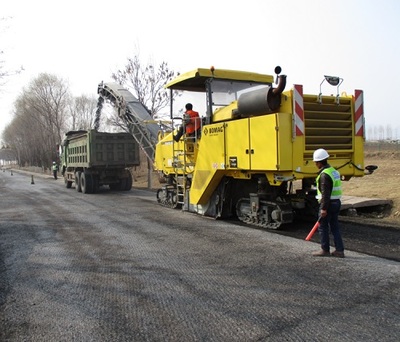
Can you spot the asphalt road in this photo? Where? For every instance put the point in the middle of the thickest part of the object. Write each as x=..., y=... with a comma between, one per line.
x=114, y=266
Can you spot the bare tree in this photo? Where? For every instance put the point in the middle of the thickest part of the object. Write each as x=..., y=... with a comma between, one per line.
x=48, y=98
x=21, y=137
x=381, y=133
x=39, y=120
x=147, y=82
x=370, y=134
x=83, y=113
x=389, y=132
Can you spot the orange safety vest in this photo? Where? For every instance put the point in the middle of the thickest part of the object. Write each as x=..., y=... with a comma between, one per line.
x=194, y=123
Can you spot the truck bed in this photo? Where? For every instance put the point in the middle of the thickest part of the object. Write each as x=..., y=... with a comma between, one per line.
x=91, y=149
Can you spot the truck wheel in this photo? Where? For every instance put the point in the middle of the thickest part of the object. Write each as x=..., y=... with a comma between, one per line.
x=67, y=183
x=96, y=185
x=122, y=184
x=128, y=182
x=114, y=186
x=86, y=183
x=78, y=181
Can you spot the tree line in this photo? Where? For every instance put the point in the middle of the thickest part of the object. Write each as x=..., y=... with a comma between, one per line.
x=382, y=133
x=45, y=110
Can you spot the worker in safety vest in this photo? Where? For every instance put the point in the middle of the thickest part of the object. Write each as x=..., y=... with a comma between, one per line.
x=55, y=169
x=191, y=122
x=329, y=192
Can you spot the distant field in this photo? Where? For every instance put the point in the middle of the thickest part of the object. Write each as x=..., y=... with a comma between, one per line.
x=384, y=182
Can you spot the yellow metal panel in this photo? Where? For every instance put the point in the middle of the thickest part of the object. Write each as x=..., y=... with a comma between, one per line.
x=358, y=158
x=286, y=102
x=169, y=156
x=297, y=142
x=210, y=160
x=238, y=144
x=224, y=113
x=201, y=179
x=285, y=144
x=263, y=142
x=164, y=154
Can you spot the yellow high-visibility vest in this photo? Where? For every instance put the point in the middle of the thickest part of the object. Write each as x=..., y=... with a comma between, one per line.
x=337, y=183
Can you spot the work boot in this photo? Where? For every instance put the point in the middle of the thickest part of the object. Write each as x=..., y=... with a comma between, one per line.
x=338, y=254
x=321, y=253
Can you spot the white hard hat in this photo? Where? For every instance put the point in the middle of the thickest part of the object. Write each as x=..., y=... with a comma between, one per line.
x=320, y=154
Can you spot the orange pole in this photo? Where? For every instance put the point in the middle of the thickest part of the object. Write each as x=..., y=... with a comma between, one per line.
x=313, y=230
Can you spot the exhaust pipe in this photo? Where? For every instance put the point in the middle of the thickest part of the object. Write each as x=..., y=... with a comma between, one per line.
x=261, y=101
x=281, y=85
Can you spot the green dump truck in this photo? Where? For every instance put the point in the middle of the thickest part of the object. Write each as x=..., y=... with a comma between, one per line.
x=91, y=159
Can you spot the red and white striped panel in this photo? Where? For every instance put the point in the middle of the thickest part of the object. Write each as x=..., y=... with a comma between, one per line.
x=359, y=113
x=298, y=106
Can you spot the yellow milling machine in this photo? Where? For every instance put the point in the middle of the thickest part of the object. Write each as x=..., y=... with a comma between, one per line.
x=252, y=157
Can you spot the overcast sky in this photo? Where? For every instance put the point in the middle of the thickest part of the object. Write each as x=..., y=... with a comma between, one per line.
x=84, y=41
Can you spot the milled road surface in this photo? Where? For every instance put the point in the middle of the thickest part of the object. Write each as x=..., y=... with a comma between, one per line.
x=114, y=266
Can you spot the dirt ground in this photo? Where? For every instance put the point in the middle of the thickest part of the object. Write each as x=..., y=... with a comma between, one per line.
x=383, y=183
